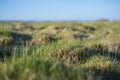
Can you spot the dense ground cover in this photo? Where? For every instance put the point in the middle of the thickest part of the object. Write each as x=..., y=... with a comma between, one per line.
x=60, y=50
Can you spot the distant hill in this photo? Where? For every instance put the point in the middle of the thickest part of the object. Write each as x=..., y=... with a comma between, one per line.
x=102, y=20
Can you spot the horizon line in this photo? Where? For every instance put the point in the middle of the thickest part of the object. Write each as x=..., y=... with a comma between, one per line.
x=58, y=20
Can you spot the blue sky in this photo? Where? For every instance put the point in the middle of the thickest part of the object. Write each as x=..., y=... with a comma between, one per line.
x=59, y=9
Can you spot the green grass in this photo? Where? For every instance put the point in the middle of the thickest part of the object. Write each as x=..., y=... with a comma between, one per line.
x=60, y=56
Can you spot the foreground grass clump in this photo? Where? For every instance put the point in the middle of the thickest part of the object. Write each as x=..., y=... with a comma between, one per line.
x=60, y=51
x=41, y=63
x=103, y=68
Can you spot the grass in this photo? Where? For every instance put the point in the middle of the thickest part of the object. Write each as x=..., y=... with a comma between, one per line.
x=60, y=51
